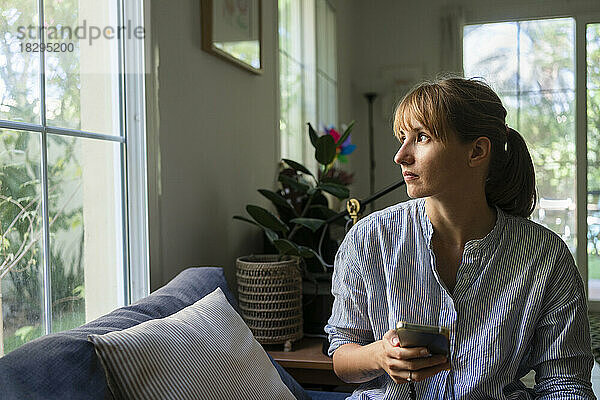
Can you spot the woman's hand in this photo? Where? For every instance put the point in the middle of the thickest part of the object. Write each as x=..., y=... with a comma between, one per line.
x=403, y=364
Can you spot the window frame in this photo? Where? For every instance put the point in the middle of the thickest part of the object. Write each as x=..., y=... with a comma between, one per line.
x=581, y=23
x=138, y=271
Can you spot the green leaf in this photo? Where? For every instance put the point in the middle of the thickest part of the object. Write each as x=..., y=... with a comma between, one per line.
x=79, y=292
x=297, y=166
x=305, y=252
x=277, y=199
x=332, y=179
x=25, y=333
x=313, y=135
x=325, y=149
x=271, y=235
x=266, y=219
x=325, y=211
x=315, y=254
x=346, y=133
x=286, y=247
x=339, y=191
x=311, y=223
x=294, y=184
x=239, y=217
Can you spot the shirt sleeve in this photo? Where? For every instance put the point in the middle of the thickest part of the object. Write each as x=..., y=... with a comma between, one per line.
x=561, y=354
x=349, y=321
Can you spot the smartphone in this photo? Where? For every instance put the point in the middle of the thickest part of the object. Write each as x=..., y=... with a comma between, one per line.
x=435, y=338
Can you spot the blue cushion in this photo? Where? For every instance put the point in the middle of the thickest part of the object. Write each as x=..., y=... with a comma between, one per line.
x=297, y=390
x=65, y=366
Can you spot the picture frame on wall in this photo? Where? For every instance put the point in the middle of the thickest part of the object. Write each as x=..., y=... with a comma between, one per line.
x=232, y=30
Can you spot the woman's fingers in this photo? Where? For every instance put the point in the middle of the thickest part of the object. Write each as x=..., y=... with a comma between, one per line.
x=408, y=353
x=416, y=364
x=402, y=375
x=425, y=373
x=391, y=339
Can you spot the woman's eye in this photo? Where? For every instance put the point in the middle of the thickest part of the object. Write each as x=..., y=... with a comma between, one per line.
x=422, y=137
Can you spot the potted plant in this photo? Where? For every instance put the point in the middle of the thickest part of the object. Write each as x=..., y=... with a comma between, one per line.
x=297, y=229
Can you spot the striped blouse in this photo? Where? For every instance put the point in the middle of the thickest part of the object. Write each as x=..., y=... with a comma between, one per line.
x=518, y=304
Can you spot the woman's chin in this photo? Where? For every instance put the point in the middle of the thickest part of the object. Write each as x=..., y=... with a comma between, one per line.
x=415, y=193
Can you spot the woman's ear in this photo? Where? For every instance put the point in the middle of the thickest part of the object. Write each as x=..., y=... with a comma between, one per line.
x=480, y=151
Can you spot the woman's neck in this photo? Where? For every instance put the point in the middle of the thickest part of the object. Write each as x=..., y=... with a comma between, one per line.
x=455, y=223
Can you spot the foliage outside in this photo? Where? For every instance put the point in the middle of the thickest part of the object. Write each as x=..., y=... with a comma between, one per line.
x=21, y=252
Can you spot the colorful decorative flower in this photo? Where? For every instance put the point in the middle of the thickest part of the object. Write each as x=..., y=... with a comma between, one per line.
x=342, y=149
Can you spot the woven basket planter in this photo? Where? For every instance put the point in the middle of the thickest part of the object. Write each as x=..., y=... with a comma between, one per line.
x=270, y=297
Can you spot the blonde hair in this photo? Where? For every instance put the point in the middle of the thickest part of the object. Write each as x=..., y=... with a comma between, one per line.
x=471, y=109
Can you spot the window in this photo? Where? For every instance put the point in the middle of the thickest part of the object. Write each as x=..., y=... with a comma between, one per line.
x=531, y=65
x=71, y=163
x=307, y=74
x=593, y=160
x=326, y=65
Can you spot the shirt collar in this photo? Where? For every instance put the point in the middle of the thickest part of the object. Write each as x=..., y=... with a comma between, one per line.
x=488, y=241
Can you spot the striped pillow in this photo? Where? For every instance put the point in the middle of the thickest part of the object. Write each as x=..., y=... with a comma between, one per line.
x=204, y=351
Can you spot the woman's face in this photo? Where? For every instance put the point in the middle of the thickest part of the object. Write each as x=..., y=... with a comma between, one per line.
x=431, y=167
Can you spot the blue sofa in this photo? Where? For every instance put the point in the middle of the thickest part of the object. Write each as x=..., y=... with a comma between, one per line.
x=65, y=366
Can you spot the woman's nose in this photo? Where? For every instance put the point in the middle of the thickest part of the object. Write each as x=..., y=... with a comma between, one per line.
x=397, y=156
x=402, y=155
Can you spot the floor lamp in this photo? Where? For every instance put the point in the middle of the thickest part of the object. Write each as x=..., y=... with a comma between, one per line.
x=371, y=98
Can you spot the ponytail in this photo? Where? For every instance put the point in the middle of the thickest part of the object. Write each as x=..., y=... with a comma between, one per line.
x=511, y=179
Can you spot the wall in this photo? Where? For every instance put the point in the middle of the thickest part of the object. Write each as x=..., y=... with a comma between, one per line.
x=214, y=140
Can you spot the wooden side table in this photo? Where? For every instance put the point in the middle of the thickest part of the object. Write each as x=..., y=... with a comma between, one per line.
x=307, y=363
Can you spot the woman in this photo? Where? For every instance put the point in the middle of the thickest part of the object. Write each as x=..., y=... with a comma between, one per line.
x=462, y=255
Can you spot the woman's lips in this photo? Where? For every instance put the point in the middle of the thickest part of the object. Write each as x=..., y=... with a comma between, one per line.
x=410, y=177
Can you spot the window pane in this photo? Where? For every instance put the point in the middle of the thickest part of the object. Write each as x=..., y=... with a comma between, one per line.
x=547, y=54
x=82, y=82
x=327, y=101
x=331, y=44
x=593, y=56
x=490, y=51
x=547, y=122
x=86, y=231
x=322, y=38
x=283, y=30
x=593, y=151
x=21, y=269
x=511, y=104
x=290, y=28
x=531, y=64
x=326, y=65
x=19, y=63
x=291, y=125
